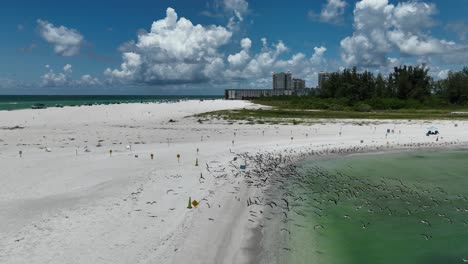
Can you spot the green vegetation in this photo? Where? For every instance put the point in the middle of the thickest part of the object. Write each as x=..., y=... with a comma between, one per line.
x=347, y=104
x=404, y=88
x=406, y=93
x=406, y=83
x=454, y=89
x=272, y=115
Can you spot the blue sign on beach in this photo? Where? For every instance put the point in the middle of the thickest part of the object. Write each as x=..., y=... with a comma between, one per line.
x=243, y=167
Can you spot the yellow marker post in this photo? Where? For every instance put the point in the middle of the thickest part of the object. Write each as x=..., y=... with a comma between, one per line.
x=196, y=162
x=178, y=158
x=110, y=153
x=189, y=203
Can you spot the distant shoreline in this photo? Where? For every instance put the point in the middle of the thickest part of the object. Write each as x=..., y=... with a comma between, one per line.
x=18, y=102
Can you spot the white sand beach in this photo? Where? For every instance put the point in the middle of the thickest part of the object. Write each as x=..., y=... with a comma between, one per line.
x=68, y=200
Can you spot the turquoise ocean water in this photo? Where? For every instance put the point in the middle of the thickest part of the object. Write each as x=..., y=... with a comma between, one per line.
x=409, y=207
x=13, y=102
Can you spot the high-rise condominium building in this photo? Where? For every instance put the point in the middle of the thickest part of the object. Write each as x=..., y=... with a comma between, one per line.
x=322, y=77
x=298, y=84
x=282, y=81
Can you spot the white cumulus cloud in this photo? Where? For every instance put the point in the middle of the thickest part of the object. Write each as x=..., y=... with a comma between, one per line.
x=67, y=68
x=66, y=41
x=257, y=68
x=246, y=43
x=259, y=65
x=53, y=79
x=381, y=28
x=317, y=57
x=442, y=74
x=174, y=51
x=88, y=80
x=332, y=12
x=238, y=9
x=64, y=78
x=240, y=59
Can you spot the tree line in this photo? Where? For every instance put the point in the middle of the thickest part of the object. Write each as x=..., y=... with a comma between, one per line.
x=404, y=83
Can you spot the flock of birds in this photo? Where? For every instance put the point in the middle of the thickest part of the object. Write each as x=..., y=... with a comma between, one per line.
x=292, y=197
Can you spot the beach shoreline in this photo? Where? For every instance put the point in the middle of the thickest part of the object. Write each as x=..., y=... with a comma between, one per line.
x=69, y=200
x=439, y=161
x=270, y=237
x=22, y=102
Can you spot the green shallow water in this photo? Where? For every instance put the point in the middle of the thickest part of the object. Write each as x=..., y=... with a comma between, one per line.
x=380, y=208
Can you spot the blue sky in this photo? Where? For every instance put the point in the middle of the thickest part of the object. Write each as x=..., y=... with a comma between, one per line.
x=94, y=47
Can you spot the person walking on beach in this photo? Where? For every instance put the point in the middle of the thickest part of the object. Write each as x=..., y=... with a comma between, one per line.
x=20, y=153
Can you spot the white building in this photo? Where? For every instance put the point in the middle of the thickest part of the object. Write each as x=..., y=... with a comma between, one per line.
x=282, y=81
x=322, y=77
x=298, y=84
x=244, y=94
x=283, y=84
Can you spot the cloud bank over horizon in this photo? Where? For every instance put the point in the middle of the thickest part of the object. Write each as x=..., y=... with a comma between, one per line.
x=178, y=52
